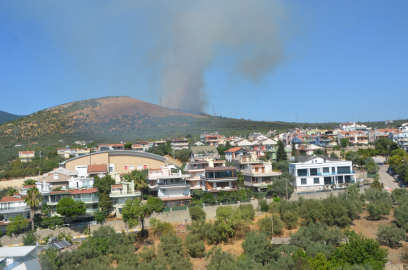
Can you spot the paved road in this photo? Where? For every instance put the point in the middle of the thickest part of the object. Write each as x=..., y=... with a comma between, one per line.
x=387, y=179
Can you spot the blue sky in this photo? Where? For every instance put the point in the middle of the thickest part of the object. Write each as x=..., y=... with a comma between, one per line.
x=338, y=60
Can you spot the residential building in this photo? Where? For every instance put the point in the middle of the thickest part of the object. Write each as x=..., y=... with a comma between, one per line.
x=219, y=178
x=321, y=173
x=159, y=143
x=120, y=193
x=244, y=143
x=397, y=135
x=26, y=156
x=119, y=161
x=12, y=206
x=80, y=182
x=307, y=149
x=89, y=196
x=152, y=178
x=196, y=169
x=233, y=153
x=14, y=256
x=179, y=144
x=204, y=152
x=173, y=188
x=96, y=170
x=212, y=139
x=107, y=147
x=352, y=126
x=137, y=147
x=243, y=161
x=144, y=145
x=258, y=177
x=55, y=196
x=55, y=179
x=403, y=126
x=354, y=137
x=83, y=142
x=381, y=133
x=403, y=144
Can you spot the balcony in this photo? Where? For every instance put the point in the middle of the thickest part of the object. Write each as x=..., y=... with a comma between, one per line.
x=96, y=199
x=176, y=183
x=303, y=174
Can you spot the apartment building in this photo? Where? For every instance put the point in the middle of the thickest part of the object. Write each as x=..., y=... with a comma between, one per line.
x=219, y=178
x=179, y=144
x=196, y=169
x=120, y=193
x=172, y=188
x=12, y=206
x=212, y=139
x=321, y=173
x=258, y=177
x=354, y=137
x=89, y=196
x=246, y=159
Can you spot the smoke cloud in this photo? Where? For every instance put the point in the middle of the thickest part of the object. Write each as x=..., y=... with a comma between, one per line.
x=119, y=45
x=197, y=33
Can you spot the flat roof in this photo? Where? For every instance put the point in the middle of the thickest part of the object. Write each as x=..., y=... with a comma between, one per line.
x=121, y=153
x=20, y=251
x=226, y=168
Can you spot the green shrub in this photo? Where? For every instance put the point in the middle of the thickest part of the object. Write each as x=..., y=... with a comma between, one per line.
x=263, y=205
x=197, y=213
x=249, y=209
x=161, y=227
x=30, y=238
x=194, y=245
x=291, y=219
x=265, y=225
x=390, y=235
x=51, y=222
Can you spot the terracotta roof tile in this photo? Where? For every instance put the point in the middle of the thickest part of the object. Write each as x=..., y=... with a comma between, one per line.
x=84, y=191
x=97, y=168
x=11, y=199
x=26, y=152
x=234, y=149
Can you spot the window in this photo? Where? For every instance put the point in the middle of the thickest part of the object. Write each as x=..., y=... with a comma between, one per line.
x=345, y=169
x=302, y=172
x=131, y=167
x=340, y=179
x=313, y=171
x=327, y=181
x=326, y=170
x=303, y=181
x=333, y=169
x=316, y=181
x=347, y=178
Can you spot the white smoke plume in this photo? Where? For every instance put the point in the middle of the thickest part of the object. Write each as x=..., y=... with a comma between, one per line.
x=198, y=32
x=176, y=42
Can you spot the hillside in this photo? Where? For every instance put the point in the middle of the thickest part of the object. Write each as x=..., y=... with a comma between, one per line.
x=5, y=117
x=121, y=118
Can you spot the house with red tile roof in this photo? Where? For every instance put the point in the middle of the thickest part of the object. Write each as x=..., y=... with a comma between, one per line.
x=89, y=196
x=26, y=156
x=233, y=153
x=11, y=206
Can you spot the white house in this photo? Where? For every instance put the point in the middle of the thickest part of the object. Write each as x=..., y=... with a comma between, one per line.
x=173, y=189
x=12, y=206
x=120, y=193
x=321, y=173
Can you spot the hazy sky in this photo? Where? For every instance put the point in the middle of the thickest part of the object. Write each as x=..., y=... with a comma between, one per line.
x=261, y=60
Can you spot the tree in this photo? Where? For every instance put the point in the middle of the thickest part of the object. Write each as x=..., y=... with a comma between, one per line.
x=265, y=225
x=257, y=247
x=105, y=203
x=16, y=224
x=140, y=178
x=334, y=155
x=282, y=186
x=294, y=152
x=240, y=180
x=51, y=222
x=127, y=146
x=197, y=213
x=342, y=153
x=155, y=204
x=104, y=184
x=376, y=184
x=359, y=250
x=70, y=208
x=11, y=191
x=30, y=238
x=399, y=196
x=344, y=142
x=33, y=200
x=100, y=216
x=390, y=235
x=401, y=215
x=194, y=245
x=370, y=166
x=319, y=152
x=49, y=259
x=29, y=182
x=135, y=211
x=380, y=203
x=281, y=153
x=161, y=226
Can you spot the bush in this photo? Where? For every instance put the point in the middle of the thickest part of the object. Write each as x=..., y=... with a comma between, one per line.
x=390, y=235
x=70, y=208
x=194, y=245
x=263, y=205
x=51, y=222
x=197, y=213
x=265, y=225
x=249, y=209
x=161, y=227
x=208, y=198
x=155, y=204
x=30, y=238
x=16, y=224
x=401, y=216
x=291, y=219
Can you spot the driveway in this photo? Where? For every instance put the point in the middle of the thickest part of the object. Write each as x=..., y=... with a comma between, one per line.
x=385, y=178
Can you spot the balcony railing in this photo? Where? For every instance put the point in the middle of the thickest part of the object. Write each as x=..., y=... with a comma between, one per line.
x=15, y=208
x=303, y=174
x=172, y=183
x=86, y=199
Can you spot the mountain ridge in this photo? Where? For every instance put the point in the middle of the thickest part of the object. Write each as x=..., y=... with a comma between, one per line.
x=6, y=117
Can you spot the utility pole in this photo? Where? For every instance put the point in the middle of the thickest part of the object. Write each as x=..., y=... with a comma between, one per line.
x=272, y=230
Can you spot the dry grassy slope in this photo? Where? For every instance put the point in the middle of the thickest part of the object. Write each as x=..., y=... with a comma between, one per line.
x=101, y=115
